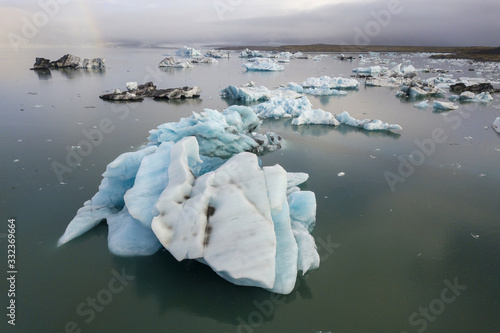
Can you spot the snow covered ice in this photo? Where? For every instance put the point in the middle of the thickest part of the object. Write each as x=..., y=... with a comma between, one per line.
x=250, y=224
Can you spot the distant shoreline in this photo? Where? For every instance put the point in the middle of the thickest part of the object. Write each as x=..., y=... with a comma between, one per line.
x=478, y=53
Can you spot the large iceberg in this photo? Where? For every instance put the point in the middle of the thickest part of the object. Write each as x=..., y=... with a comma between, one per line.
x=469, y=96
x=217, y=54
x=250, y=224
x=367, y=124
x=372, y=70
x=172, y=62
x=265, y=64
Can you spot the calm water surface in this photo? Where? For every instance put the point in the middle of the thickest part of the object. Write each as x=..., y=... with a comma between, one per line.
x=388, y=257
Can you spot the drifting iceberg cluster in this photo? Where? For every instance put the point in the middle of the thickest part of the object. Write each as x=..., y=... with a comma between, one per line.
x=250, y=224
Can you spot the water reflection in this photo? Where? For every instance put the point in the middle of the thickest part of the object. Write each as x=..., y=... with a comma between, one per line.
x=194, y=288
x=43, y=74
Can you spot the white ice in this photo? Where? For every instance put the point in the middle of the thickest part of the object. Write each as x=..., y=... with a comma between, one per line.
x=332, y=82
x=316, y=117
x=265, y=64
x=250, y=224
x=367, y=124
x=279, y=107
x=188, y=52
x=444, y=106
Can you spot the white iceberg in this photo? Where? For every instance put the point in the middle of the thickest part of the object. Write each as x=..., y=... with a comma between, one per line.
x=250, y=224
x=316, y=117
x=188, y=52
x=444, y=106
x=332, y=82
x=131, y=86
x=171, y=62
x=264, y=64
x=468, y=96
x=367, y=124
x=422, y=105
x=295, y=87
x=279, y=107
x=496, y=125
x=250, y=93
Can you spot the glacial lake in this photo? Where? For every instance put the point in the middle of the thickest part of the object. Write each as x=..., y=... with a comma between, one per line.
x=420, y=256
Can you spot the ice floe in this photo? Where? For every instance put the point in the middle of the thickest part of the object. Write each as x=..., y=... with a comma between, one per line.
x=316, y=117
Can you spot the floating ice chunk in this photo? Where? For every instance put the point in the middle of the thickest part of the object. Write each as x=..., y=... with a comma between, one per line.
x=444, y=106
x=316, y=117
x=220, y=134
x=250, y=93
x=171, y=62
x=468, y=96
x=341, y=174
x=278, y=107
x=263, y=65
x=332, y=82
x=324, y=90
x=250, y=54
x=422, y=105
x=372, y=70
x=131, y=86
x=188, y=52
x=496, y=125
x=367, y=124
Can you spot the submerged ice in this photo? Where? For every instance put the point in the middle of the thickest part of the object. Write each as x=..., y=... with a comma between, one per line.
x=250, y=224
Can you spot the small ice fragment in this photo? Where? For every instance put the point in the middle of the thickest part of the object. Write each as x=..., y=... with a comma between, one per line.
x=474, y=236
x=62, y=183
x=482, y=175
x=16, y=160
x=341, y=174
x=20, y=140
x=48, y=140
x=371, y=156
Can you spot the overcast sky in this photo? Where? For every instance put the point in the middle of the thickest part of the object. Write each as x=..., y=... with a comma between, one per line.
x=256, y=22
